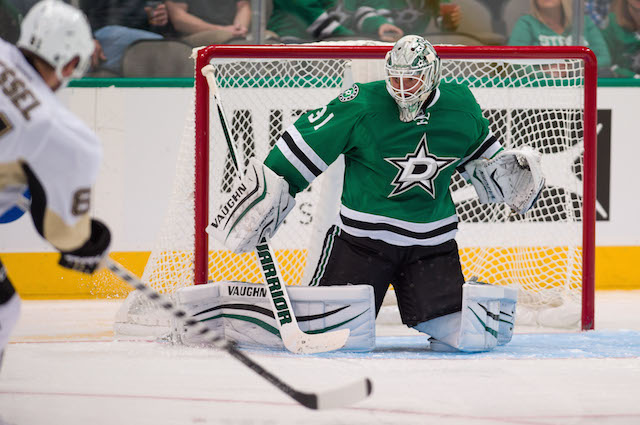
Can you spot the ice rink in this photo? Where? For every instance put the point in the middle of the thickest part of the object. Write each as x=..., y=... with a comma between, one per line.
x=64, y=367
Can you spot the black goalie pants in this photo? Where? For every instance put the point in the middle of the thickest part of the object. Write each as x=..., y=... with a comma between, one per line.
x=427, y=279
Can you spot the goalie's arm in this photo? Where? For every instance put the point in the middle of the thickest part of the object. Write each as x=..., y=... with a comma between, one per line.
x=511, y=176
x=305, y=150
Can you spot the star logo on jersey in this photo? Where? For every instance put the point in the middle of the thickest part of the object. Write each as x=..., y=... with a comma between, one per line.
x=419, y=168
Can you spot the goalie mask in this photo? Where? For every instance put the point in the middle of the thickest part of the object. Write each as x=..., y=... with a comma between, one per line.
x=57, y=32
x=412, y=72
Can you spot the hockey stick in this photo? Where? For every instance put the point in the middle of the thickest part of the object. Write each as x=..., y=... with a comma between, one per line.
x=338, y=397
x=293, y=338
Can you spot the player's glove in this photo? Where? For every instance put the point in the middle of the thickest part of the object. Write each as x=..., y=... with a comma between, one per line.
x=88, y=257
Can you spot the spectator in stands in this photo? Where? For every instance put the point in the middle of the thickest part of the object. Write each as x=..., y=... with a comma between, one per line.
x=598, y=10
x=623, y=37
x=117, y=24
x=404, y=16
x=23, y=6
x=549, y=24
x=299, y=21
x=366, y=18
x=10, y=19
x=204, y=22
x=414, y=16
x=384, y=20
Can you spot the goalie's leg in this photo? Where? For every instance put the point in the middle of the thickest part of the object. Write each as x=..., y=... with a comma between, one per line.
x=430, y=283
x=480, y=325
x=242, y=312
x=507, y=315
x=348, y=259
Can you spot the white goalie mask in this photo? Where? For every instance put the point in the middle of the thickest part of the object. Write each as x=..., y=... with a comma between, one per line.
x=57, y=32
x=412, y=72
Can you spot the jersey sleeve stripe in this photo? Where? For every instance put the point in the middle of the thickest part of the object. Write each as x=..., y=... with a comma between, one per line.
x=295, y=148
x=295, y=162
x=300, y=154
x=489, y=147
x=363, y=13
x=323, y=26
x=320, y=20
x=308, y=150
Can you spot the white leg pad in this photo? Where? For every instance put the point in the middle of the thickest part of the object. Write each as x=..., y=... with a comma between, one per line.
x=476, y=327
x=507, y=315
x=480, y=317
x=242, y=312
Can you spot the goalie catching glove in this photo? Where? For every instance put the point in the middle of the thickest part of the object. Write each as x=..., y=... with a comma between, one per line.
x=256, y=209
x=512, y=176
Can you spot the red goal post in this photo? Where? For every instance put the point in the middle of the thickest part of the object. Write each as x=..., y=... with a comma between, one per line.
x=583, y=54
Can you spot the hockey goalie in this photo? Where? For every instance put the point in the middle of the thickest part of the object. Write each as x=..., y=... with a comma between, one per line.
x=402, y=139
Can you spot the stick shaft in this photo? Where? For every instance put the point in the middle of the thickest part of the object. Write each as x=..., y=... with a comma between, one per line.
x=293, y=338
x=306, y=399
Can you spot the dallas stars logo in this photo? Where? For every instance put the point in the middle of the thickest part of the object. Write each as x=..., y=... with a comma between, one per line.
x=419, y=168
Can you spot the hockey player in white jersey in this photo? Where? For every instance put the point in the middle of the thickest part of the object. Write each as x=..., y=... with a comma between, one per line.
x=49, y=159
x=402, y=139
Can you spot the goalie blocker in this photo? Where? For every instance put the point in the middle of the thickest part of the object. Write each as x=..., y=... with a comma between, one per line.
x=242, y=313
x=256, y=208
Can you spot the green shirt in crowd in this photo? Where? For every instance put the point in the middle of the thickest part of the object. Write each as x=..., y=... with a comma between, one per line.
x=305, y=20
x=624, y=46
x=529, y=31
x=309, y=20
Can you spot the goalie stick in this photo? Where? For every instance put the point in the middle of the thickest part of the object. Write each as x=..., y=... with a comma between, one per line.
x=293, y=338
x=335, y=398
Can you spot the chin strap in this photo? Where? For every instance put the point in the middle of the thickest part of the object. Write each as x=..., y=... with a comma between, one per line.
x=64, y=81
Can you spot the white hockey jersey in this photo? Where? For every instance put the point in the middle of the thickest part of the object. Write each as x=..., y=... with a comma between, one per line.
x=47, y=149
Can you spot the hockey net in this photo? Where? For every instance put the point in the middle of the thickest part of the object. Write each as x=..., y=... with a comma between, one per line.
x=540, y=97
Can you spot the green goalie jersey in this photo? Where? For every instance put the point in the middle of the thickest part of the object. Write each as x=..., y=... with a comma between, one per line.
x=397, y=174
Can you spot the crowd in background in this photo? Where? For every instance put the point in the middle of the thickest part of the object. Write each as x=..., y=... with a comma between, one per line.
x=138, y=38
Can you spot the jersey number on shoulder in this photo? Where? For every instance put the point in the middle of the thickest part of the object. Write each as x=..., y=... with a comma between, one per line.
x=81, y=201
x=5, y=124
x=315, y=116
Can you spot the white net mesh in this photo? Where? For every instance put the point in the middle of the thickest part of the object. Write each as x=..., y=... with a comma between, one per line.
x=535, y=103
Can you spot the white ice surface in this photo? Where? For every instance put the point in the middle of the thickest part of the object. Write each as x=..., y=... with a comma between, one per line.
x=64, y=367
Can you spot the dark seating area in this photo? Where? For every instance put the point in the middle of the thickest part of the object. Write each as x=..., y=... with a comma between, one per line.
x=141, y=39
